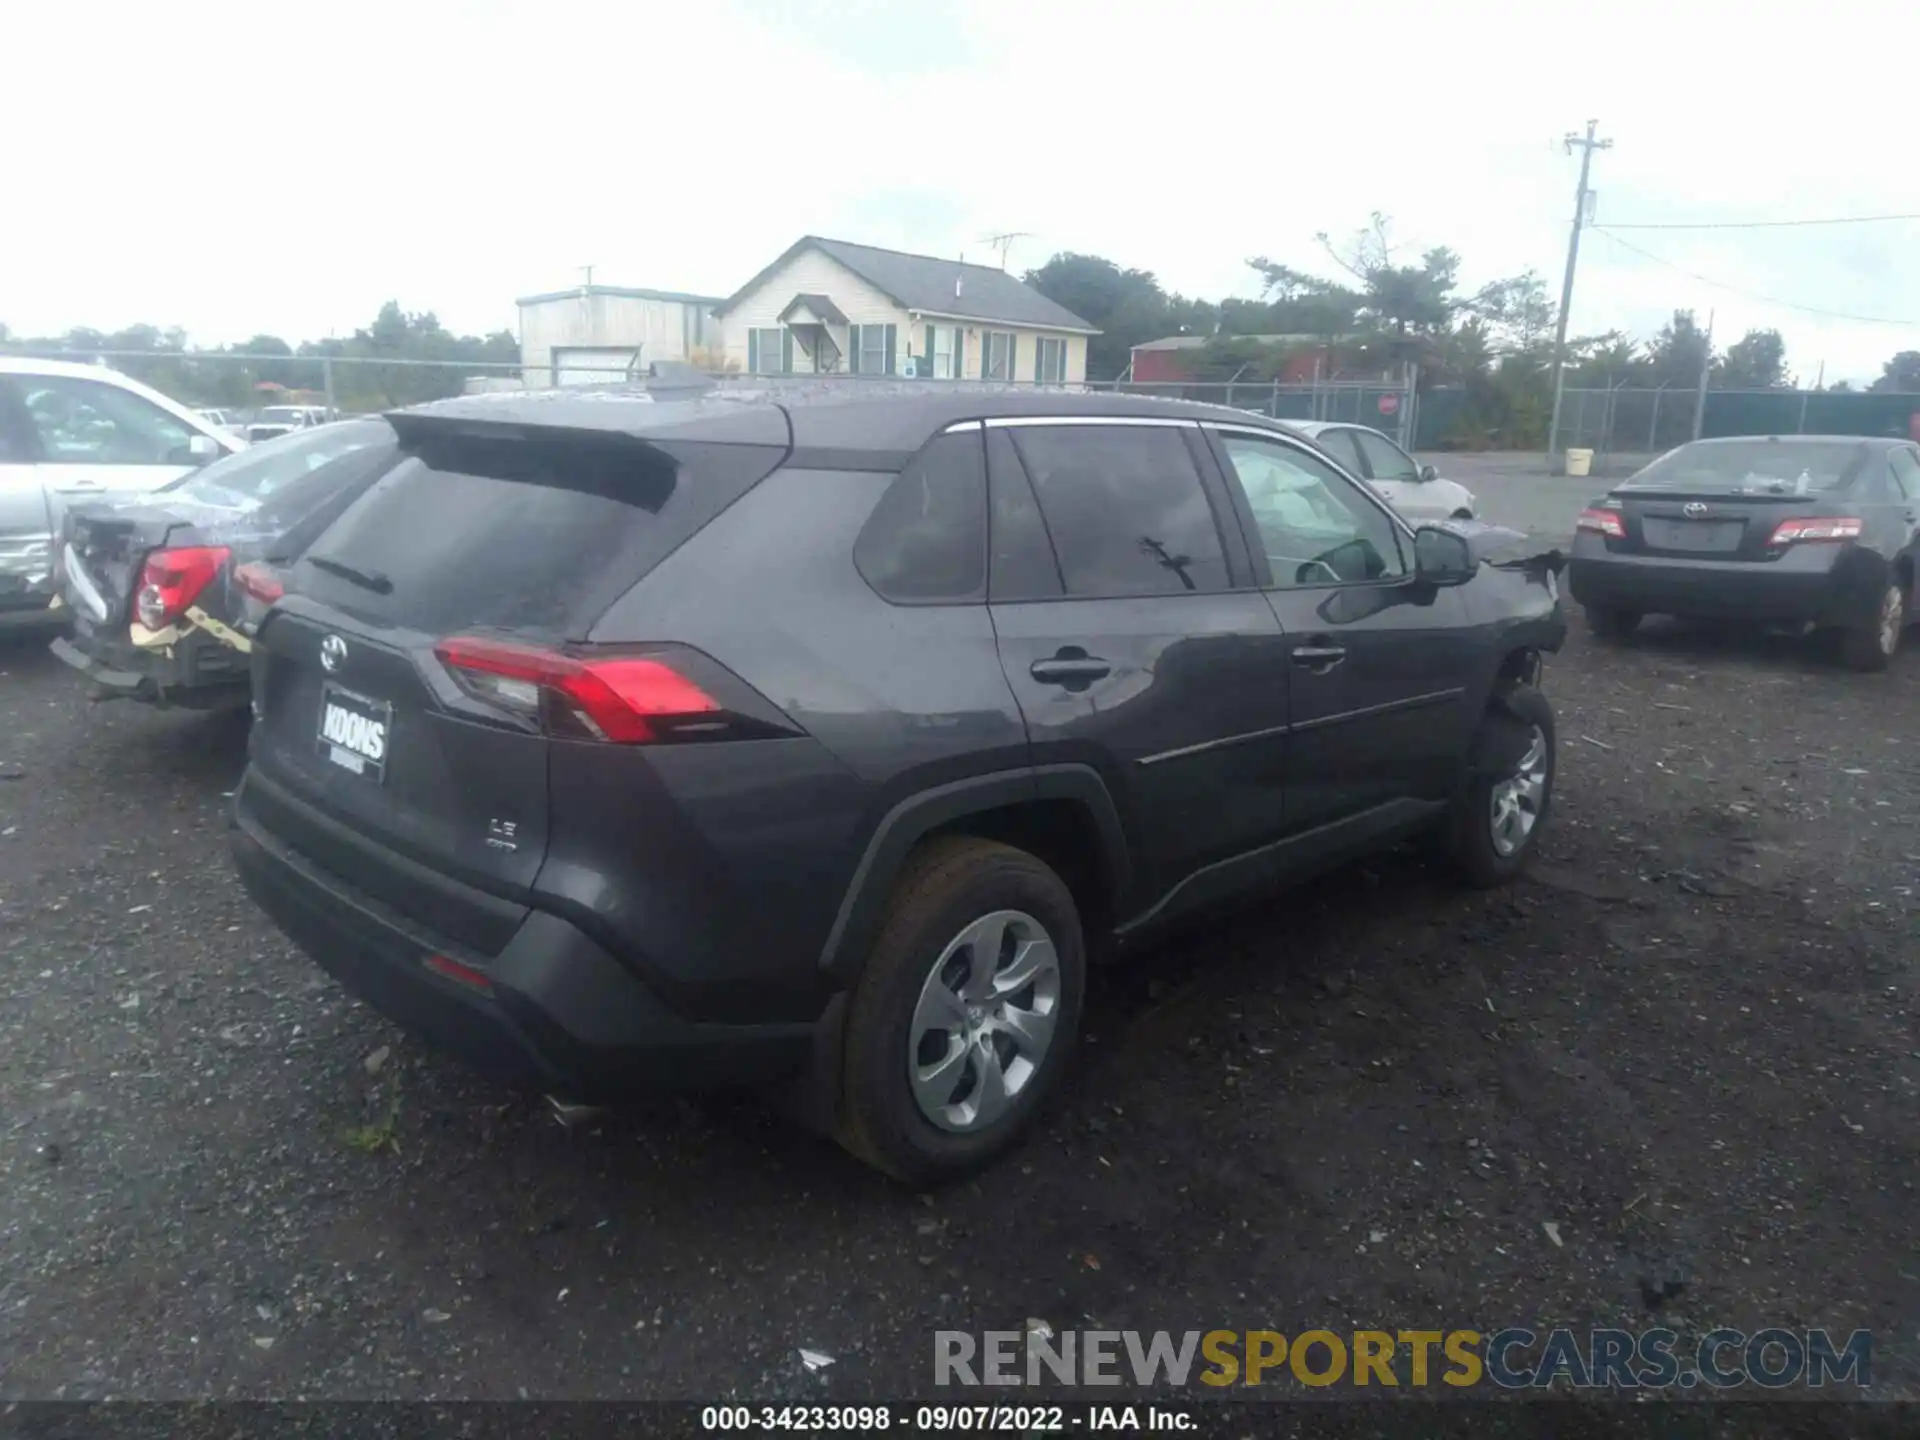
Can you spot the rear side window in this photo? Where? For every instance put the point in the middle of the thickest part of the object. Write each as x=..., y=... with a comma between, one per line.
x=1340, y=444
x=534, y=535
x=1125, y=508
x=1906, y=473
x=926, y=540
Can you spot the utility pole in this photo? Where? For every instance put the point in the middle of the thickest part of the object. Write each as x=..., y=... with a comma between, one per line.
x=1587, y=146
x=1706, y=369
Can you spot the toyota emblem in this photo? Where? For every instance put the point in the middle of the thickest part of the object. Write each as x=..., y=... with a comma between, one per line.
x=1693, y=509
x=333, y=653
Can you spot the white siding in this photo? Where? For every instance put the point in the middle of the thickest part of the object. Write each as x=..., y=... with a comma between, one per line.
x=1027, y=352
x=658, y=329
x=811, y=273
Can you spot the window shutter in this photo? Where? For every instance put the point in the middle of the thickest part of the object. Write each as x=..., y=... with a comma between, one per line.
x=929, y=350
x=786, y=351
x=753, y=352
x=889, y=367
x=1013, y=357
x=853, y=349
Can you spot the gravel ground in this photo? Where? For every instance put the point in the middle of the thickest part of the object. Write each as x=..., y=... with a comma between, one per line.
x=1686, y=1042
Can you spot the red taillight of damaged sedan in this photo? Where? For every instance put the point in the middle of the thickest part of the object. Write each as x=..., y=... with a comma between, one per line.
x=173, y=580
x=1816, y=527
x=1602, y=522
x=260, y=582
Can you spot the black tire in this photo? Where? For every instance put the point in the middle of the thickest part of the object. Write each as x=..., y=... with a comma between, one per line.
x=1871, y=646
x=1612, y=624
x=1506, y=733
x=945, y=887
x=1461, y=515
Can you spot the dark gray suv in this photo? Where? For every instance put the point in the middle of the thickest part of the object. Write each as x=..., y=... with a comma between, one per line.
x=814, y=740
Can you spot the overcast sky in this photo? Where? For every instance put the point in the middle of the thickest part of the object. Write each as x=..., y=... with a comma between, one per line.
x=242, y=167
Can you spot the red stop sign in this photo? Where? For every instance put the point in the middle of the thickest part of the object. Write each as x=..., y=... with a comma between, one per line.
x=1389, y=404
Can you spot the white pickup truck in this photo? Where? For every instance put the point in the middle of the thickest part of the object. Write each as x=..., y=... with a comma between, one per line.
x=70, y=434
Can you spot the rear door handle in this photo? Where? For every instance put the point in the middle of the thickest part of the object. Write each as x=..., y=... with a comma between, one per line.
x=1318, y=657
x=1070, y=669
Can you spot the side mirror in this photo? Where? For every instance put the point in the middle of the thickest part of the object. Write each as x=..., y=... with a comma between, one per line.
x=203, y=449
x=1427, y=472
x=1442, y=556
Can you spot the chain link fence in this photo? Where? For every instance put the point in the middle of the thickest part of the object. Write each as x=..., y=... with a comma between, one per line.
x=1633, y=421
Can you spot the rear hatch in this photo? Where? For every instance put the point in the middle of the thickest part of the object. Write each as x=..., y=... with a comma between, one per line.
x=395, y=768
x=1726, y=500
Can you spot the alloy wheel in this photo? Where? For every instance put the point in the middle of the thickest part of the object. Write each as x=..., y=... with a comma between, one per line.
x=1516, y=802
x=1893, y=616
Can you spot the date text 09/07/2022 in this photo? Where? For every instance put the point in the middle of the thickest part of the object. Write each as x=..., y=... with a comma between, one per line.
x=943, y=1419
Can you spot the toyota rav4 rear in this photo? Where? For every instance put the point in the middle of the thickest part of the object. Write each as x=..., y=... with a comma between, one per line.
x=471, y=801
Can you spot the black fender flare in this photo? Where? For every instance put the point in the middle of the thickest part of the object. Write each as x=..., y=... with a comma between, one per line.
x=912, y=819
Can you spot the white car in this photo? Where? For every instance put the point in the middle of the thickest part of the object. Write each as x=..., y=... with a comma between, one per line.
x=74, y=433
x=1413, y=489
x=221, y=420
x=277, y=420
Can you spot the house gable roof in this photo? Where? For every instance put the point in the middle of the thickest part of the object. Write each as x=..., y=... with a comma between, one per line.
x=624, y=292
x=926, y=284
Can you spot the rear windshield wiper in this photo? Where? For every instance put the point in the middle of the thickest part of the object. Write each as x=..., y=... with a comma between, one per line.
x=366, y=579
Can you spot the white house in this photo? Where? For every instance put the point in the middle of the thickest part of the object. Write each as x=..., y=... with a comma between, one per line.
x=828, y=306
x=595, y=334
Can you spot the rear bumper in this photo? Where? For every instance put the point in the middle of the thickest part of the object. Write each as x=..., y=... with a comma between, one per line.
x=195, y=672
x=1808, y=584
x=559, y=1014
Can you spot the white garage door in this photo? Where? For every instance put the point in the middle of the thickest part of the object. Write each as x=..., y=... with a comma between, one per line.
x=593, y=365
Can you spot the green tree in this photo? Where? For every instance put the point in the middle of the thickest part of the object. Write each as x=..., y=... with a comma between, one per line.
x=1679, y=351
x=1901, y=375
x=1128, y=307
x=1756, y=361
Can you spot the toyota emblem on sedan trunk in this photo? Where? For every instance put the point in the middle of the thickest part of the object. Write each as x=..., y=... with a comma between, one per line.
x=333, y=653
x=1692, y=508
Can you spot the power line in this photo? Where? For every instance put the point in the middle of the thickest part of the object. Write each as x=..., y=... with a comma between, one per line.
x=1607, y=231
x=1755, y=224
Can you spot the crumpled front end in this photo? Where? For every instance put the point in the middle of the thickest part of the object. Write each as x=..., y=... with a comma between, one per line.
x=28, y=594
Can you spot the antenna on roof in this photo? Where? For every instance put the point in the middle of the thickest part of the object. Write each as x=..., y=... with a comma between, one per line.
x=1004, y=243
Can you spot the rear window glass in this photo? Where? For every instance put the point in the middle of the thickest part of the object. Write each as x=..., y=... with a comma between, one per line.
x=247, y=479
x=538, y=536
x=1755, y=467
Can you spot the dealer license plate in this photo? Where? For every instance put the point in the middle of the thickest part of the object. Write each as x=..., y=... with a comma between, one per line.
x=354, y=731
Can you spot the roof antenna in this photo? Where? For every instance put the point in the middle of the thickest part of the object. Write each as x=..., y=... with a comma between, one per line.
x=1004, y=243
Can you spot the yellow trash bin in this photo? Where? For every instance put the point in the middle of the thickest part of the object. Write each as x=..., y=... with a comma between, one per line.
x=1579, y=462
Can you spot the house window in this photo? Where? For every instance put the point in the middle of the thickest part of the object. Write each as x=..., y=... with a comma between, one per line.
x=997, y=355
x=1050, y=364
x=943, y=353
x=870, y=349
x=767, y=351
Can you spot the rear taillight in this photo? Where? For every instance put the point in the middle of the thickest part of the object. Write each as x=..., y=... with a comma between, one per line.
x=259, y=581
x=1806, y=528
x=173, y=580
x=1602, y=522
x=621, y=699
